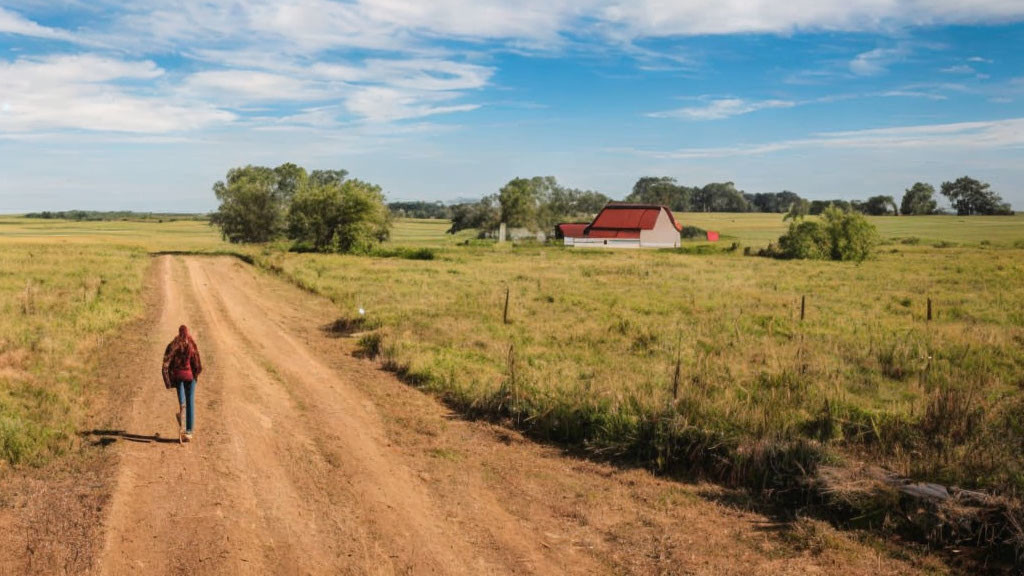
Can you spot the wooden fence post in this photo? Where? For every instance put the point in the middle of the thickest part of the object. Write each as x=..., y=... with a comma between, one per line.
x=929, y=309
x=803, y=305
x=504, y=316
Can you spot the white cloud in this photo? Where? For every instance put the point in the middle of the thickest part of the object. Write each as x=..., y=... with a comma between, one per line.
x=958, y=69
x=691, y=17
x=12, y=23
x=1007, y=133
x=312, y=26
x=383, y=104
x=339, y=56
x=376, y=89
x=416, y=73
x=979, y=60
x=722, y=108
x=239, y=88
x=83, y=92
x=912, y=94
x=876, y=61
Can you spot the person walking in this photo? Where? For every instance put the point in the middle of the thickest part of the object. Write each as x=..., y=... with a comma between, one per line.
x=181, y=370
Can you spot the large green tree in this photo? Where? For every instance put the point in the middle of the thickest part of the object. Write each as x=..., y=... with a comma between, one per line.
x=919, y=200
x=321, y=177
x=333, y=216
x=320, y=210
x=720, y=197
x=540, y=202
x=780, y=202
x=879, y=206
x=252, y=205
x=662, y=190
x=484, y=215
x=520, y=201
x=290, y=178
x=969, y=196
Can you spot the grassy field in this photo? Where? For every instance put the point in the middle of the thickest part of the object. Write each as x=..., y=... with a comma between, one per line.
x=149, y=235
x=66, y=288
x=757, y=230
x=57, y=302
x=589, y=355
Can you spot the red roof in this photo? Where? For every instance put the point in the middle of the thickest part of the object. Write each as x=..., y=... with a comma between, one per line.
x=606, y=233
x=572, y=230
x=631, y=217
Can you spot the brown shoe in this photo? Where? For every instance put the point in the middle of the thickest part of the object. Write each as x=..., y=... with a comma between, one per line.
x=188, y=436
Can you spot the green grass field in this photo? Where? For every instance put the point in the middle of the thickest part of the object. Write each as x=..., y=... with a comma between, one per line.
x=590, y=352
x=759, y=229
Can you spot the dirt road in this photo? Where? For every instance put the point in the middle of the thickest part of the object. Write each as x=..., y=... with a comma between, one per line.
x=310, y=461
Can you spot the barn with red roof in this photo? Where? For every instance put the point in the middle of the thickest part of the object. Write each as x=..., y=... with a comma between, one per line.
x=625, y=225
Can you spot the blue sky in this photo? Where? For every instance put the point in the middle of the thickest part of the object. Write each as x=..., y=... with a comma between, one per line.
x=143, y=105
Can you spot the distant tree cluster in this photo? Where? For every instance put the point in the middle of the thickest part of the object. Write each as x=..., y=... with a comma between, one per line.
x=420, y=209
x=536, y=203
x=919, y=200
x=968, y=196
x=322, y=210
x=713, y=197
x=539, y=203
x=101, y=216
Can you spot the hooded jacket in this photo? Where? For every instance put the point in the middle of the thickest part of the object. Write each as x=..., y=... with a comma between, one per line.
x=181, y=359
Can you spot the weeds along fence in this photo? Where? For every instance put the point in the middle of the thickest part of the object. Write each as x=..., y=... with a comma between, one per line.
x=760, y=390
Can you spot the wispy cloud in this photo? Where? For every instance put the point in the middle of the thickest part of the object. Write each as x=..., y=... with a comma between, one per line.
x=958, y=69
x=913, y=94
x=877, y=61
x=1007, y=133
x=722, y=108
x=87, y=93
x=13, y=23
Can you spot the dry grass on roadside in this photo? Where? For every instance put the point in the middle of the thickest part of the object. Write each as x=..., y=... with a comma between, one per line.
x=57, y=303
x=589, y=355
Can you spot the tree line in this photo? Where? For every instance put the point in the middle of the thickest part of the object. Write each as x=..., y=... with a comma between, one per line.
x=967, y=196
x=325, y=211
x=321, y=210
x=536, y=203
x=111, y=215
x=540, y=202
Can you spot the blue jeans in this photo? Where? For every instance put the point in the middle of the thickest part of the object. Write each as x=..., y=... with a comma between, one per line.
x=187, y=397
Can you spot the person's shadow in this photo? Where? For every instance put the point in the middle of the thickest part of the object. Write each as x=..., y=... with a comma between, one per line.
x=100, y=437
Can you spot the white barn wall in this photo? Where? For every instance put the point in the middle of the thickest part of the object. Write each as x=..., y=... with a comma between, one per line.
x=663, y=235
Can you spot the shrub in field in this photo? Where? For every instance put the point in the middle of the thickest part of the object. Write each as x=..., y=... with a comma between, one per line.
x=405, y=253
x=693, y=232
x=840, y=235
x=805, y=240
